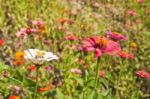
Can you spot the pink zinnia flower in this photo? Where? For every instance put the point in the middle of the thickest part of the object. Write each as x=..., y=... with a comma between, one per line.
x=143, y=74
x=116, y=36
x=70, y=37
x=125, y=55
x=76, y=71
x=140, y=1
x=100, y=45
x=39, y=23
x=131, y=12
x=25, y=31
x=102, y=73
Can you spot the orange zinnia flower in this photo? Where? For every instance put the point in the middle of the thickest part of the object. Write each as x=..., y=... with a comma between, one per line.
x=44, y=89
x=13, y=97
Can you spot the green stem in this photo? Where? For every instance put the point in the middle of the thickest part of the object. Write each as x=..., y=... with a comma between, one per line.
x=97, y=70
x=37, y=74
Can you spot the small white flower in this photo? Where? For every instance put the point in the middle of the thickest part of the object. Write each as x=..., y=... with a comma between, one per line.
x=39, y=56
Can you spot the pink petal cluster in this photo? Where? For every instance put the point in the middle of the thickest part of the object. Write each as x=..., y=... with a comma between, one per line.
x=24, y=31
x=143, y=74
x=116, y=36
x=140, y=1
x=71, y=37
x=100, y=45
x=131, y=12
x=125, y=55
x=38, y=23
x=102, y=73
x=76, y=71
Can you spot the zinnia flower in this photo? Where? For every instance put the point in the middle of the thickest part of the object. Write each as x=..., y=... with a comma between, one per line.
x=39, y=23
x=76, y=71
x=131, y=12
x=116, y=36
x=143, y=74
x=125, y=55
x=2, y=42
x=70, y=37
x=44, y=89
x=140, y=1
x=31, y=68
x=39, y=56
x=13, y=97
x=25, y=31
x=102, y=73
x=100, y=45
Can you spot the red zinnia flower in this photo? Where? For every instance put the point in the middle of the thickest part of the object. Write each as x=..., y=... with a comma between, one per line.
x=126, y=55
x=143, y=74
x=100, y=45
x=13, y=97
x=44, y=89
x=2, y=42
x=31, y=68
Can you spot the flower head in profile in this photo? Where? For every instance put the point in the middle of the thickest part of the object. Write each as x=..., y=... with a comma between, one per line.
x=143, y=74
x=100, y=45
x=116, y=36
x=38, y=56
x=125, y=55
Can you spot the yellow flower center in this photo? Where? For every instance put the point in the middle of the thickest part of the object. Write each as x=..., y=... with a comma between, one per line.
x=40, y=54
x=102, y=41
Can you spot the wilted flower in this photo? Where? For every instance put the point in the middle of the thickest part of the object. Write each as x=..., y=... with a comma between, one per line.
x=116, y=36
x=13, y=97
x=2, y=42
x=100, y=45
x=125, y=55
x=76, y=71
x=38, y=56
x=71, y=37
x=143, y=74
x=102, y=73
x=131, y=12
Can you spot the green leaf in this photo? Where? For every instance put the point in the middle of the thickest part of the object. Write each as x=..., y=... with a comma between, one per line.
x=60, y=95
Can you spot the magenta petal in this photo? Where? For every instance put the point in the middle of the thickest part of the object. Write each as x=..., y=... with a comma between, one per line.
x=98, y=53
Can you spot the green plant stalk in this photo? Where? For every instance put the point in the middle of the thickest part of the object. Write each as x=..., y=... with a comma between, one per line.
x=37, y=74
x=97, y=70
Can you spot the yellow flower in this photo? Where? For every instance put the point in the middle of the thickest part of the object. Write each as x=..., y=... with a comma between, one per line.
x=133, y=45
x=19, y=55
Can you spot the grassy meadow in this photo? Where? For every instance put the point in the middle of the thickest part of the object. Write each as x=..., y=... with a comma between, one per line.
x=74, y=49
